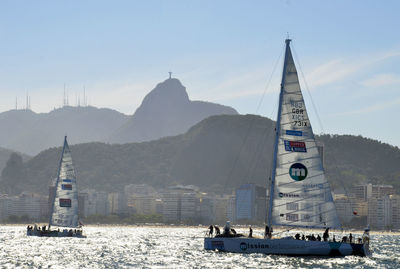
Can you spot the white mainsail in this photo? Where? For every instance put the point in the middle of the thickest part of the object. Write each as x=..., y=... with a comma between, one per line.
x=300, y=193
x=65, y=206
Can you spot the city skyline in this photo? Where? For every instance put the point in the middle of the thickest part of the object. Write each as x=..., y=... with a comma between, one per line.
x=228, y=52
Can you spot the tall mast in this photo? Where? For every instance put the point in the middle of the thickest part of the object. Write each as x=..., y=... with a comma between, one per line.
x=277, y=134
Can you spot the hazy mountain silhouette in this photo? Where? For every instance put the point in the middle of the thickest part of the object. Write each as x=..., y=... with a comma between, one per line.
x=30, y=132
x=5, y=156
x=166, y=111
x=217, y=154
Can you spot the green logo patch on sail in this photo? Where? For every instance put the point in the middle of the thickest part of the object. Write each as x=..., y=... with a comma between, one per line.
x=298, y=171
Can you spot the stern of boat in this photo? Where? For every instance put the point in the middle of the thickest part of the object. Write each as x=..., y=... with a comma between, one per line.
x=212, y=243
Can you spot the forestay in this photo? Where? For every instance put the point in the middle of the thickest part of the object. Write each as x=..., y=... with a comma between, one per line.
x=301, y=193
x=65, y=206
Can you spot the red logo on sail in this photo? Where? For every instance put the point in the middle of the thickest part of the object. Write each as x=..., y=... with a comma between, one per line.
x=295, y=146
x=67, y=187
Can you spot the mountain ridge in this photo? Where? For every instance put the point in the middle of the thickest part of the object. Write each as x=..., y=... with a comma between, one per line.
x=166, y=111
x=33, y=132
x=217, y=154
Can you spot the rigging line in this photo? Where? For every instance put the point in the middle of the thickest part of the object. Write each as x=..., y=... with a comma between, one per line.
x=252, y=122
x=269, y=81
x=319, y=119
x=320, y=123
x=308, y=91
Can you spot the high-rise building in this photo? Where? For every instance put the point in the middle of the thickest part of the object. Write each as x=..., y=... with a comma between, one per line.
x=367, y=191
x=29, y=205
x=395, y=203
x=180, y=204
x=250, y=203
x=380, y=212
x=344, y=208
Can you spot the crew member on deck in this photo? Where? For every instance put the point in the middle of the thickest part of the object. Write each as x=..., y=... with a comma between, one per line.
x=211, y=230
x=250, y=232
x=267, y=233
x=325, y=236
x=217, y=231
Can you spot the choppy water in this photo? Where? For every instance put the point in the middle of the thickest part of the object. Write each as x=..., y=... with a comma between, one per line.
x=163, y=247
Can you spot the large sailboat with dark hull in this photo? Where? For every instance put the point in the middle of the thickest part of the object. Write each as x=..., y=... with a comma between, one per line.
x=300, y=196
x=63, y=221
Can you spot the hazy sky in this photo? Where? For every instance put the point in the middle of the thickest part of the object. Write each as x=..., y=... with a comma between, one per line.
x=222, y=51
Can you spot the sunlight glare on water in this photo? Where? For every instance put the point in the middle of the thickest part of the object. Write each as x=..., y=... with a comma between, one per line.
x=163, y=247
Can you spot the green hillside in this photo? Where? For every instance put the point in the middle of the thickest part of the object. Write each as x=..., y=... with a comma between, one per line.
x=217, y=154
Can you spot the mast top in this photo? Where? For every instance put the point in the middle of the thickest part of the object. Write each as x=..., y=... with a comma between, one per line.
x=287, y=41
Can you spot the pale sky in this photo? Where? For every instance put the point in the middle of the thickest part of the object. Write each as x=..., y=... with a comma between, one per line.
x=222, y=51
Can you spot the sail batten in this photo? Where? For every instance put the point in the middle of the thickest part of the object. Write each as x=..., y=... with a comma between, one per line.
x=300, y=193
x=65, y=205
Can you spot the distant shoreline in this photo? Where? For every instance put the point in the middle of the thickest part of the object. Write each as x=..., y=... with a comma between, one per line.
x=205, y=227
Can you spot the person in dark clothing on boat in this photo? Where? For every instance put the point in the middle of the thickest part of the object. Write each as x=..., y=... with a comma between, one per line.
x=313, y=237
x=268, y=232
x=297, y=236
x=250, y=232
x=325, y=236
x=318, y=238
x=217, y=231
x=334, y=239
x=233, y=231
x=303, y=237
x=351, y=238
x=211, y=230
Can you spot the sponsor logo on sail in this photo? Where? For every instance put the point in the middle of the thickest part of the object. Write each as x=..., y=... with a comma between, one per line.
x=67, y=187
x=289, y=195
x=312, y=187
x=295, y=146
x=294, y=133
x=65, y=202
x=298, y=171
x=243, y=246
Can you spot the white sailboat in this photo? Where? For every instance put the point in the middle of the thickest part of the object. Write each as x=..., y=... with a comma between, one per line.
x=63, y=220
x=300, y=196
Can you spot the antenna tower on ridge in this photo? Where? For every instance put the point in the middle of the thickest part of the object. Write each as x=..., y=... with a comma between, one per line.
x=170, y=74
x=27, y=105
x=84, y=96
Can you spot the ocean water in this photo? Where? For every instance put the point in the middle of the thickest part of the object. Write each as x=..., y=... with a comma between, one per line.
x=164, y=247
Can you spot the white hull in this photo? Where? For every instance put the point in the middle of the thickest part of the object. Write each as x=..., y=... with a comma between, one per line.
x=284, y=246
